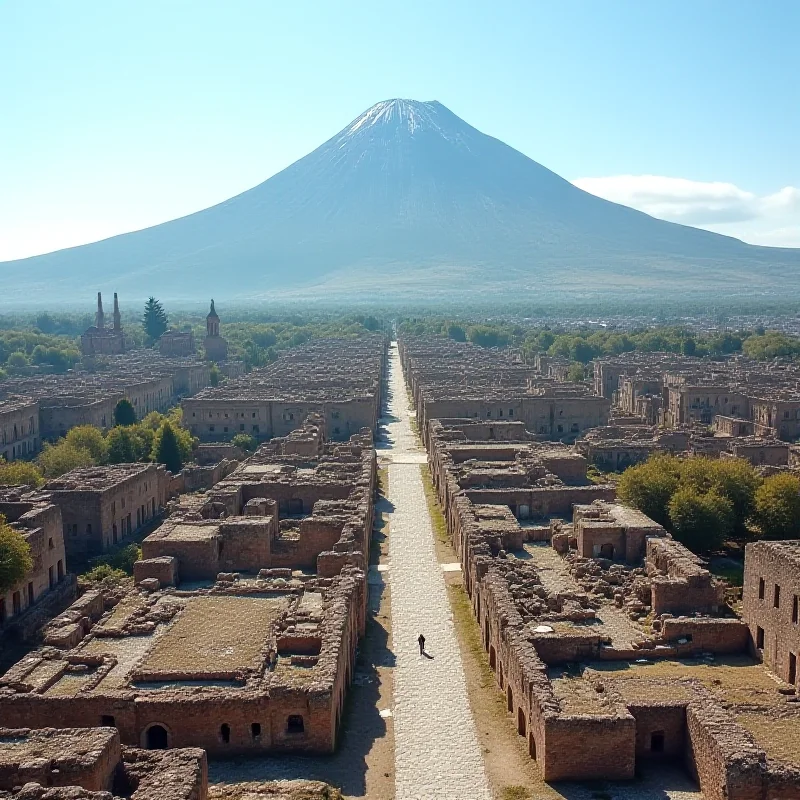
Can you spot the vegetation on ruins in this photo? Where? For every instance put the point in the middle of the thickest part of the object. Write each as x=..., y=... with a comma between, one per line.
x=244, y=440
x=86, y=446
x=701, y=501
x=20, y=349
x=214, y=375
x=15, y=556
x=105, y=575
x=154, y=319
x=777, y=507
x=584, y=344
x=700, y=520
x=166, y=449
x=89, y=438
x=124, y=412
x=112, y=568
x=128, y=443
x=20, y=473
x=56, y=459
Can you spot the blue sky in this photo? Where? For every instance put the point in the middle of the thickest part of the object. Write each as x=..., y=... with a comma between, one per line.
x=119, y=115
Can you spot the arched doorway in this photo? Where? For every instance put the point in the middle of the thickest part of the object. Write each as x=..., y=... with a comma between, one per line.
x=607, y=551
x=156, y=738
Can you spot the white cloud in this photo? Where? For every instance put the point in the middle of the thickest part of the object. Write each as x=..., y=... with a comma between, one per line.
x=772, y=219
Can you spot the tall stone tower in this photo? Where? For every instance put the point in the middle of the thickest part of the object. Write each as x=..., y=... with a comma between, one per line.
x=117, y=316
x=99, y=317
x=215, y=346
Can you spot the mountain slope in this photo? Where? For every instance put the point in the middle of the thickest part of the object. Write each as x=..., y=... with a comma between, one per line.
x=412, y=198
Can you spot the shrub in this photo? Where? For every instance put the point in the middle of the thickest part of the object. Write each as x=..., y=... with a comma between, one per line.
x=20, y=473
x=777, y=507
x=104, y=574
x=700, y=521
x=123, y=559
x=245, y=441
x=56, y=459
x=15, y=557
x=650, y=486
x=87, y=437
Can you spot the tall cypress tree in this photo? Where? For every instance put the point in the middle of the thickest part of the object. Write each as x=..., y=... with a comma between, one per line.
x=155, y=320
x=124, y=412
x=169, y=453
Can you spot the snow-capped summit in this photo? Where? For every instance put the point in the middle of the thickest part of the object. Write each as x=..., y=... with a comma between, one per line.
x=409, y=198
x=411, y=114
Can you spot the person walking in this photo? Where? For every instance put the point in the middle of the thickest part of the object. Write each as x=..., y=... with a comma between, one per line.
x=421, y=641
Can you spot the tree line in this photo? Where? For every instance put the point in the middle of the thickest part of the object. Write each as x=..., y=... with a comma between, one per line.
x=704, y=501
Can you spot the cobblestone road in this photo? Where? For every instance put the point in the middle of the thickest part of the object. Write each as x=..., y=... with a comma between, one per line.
x=436, y=749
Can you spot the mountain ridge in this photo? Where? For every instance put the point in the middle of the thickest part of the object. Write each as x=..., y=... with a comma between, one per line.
x=409, y=186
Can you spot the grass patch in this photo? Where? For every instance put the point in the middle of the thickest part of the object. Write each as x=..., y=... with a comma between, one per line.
x=215, y=635
x=383, y=481
x=779, y=737
x=437, y=517
x=515, y=793
x=469, y=631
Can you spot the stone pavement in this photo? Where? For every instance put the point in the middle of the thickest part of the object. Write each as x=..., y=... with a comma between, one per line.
x=436, y=748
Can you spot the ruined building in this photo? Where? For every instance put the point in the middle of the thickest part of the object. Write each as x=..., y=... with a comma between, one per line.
x=46, y=587
x=91, y=764
x=19, y=428
x=339, y=379
x=602, y=631
x=240, y=637
x=451, y=379
x=100, y=340
x=174, y=343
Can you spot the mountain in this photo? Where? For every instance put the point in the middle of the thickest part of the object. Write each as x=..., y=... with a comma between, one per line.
x=410, y=201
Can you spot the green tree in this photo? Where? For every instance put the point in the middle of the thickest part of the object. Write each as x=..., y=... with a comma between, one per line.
x=87, y=437
x=15, y=557
x=456, y=332
x=128, y=444
x=700, y=521
x=124, y=412
x=57, y=459
x=576, y=372
x=245, y=441
x=213, y=375
x=20, y=473
x=155, y=320
x=689, y=347
x=167, y=449
x=17, y=360
x=777, y=507
x=650, y=486
x=736, y=479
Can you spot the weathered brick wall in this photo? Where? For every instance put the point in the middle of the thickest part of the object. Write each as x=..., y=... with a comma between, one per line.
x=667, y=719
x=723, y=756
x=777, y=564
x=726, y=635
x=607, y=747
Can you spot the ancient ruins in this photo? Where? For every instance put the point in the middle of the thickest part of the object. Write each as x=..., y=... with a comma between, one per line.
x=585, y=605
x=615, y=647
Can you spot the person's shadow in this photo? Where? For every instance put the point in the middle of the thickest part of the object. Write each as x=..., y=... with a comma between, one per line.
x=427, y=655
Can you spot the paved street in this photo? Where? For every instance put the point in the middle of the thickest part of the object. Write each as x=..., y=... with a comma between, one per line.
x=436, y=749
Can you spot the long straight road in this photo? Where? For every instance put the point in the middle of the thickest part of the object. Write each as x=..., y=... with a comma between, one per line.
x=437, y=754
